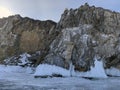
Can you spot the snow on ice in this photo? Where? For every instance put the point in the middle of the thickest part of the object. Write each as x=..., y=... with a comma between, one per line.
x=113, y=72
x=49, y=70
x=15, y=69
x=20, y=77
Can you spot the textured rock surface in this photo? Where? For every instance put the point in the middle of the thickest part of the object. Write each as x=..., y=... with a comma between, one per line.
x=94, y=32
x=84, y=34
x=19, y=35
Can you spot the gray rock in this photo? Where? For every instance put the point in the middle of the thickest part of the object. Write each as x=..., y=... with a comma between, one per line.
x=94, y=31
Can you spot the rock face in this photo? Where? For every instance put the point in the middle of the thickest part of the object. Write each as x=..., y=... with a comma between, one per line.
x=93, y=32
x=80, y=36
x=19, y=35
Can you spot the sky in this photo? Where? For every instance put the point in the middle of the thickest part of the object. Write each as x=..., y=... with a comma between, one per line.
x=49, y=9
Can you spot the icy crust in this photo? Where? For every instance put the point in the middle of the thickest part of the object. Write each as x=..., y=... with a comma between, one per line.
x=49, y=70
x=15, y=69
x=113, y=72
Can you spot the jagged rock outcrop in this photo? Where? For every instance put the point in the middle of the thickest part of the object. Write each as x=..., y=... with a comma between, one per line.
x=19, y=35
x=81, y=36
x=94, y=33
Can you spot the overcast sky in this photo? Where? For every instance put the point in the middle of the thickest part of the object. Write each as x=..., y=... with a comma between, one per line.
x=50, y=9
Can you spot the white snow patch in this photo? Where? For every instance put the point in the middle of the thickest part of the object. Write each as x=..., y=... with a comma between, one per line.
x=48, y=70
x=96, y=72
x=85, y=38
x=45, y=69
x=93, y=41
x=24, y=59
x=20, y=60
x=113, y=71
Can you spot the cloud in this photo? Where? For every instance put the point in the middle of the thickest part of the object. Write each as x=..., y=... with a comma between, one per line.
x=52, y=9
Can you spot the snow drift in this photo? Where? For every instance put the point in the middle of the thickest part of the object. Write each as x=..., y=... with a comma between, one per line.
x=49, y=70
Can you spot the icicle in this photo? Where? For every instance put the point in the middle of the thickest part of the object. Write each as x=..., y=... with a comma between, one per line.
x=71, y=69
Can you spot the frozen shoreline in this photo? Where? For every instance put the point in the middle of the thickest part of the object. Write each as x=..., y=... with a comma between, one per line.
x=23, y=81
x=18, y=78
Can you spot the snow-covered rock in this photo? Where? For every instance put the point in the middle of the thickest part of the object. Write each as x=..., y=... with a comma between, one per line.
x=21, y=60
x=96, y=72
x=24, y=59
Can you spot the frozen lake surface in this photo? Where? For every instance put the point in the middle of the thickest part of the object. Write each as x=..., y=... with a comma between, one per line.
x=15, y=78
x=18, y=81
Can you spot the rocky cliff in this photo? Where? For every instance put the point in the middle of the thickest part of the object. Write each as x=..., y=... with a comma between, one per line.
x=86, y=33
x=19, y=35
x=81, y=36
